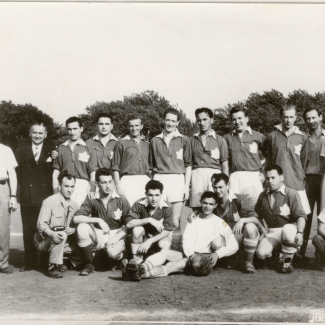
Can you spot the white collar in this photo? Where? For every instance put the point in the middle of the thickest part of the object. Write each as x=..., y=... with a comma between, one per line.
x=127, y=137
x=282, y=190
x=114, y=195
x=162, y=203
x=80, y=142
x=176, y=134
x=296, y=129
x=322, y=132
x=96, y=137
x=248, y=129
x=211, y=134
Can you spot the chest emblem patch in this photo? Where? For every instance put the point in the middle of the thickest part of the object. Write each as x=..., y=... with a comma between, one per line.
x=117, y=214
x=298, y=149
x=49, y=159
x=284, y=210
x=236, y=216
x=179, y=154
x=215, y=153
x=83, y=156
x=253, y=147
x=224, y=224
x=111, y=153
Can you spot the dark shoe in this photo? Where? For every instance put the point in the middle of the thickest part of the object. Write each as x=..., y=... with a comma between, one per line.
x=123, y=266
x=88, y=269
x=62, y=268
x=53, y=272
x=6, y=270
x=133, y=269
x=26, y=268
x=249, y=268
x=285, y=266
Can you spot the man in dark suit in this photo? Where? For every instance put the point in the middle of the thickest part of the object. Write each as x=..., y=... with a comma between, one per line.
x=34, y=174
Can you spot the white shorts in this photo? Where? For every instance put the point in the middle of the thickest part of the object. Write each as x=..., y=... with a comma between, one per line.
x=103, y=238
x=248, y=184
x=200, y=182
x=81, y=190
x=304, y=201
x=133, y=187
x=173, y=186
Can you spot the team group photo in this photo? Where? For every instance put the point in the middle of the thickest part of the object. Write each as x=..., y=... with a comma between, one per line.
x=136, y=207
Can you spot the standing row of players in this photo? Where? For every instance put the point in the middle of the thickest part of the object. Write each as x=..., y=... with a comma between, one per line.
x=184, y=166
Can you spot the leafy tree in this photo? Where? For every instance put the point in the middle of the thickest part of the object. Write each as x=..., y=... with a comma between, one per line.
x=16, y=120
x=148, y=104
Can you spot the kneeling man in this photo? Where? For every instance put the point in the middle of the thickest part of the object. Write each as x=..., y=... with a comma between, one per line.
x=101, y=222
x=55, y=227
x=282, y=210
x=206, y=240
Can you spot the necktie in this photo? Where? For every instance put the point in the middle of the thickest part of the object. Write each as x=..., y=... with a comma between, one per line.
x=36, y=154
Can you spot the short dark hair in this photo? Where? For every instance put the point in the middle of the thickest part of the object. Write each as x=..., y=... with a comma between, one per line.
x=288, y=107
x=132, y=117
x=216, y=178
x=274, y=167
x=104, y=115
x=173, y=111
x=65, y=174
x=73, y=119
x=38, y=124
x=238, y=108
x=208, y=195
x=312, y=108
x=102, y=172
x=154, y=185
x=204, y=110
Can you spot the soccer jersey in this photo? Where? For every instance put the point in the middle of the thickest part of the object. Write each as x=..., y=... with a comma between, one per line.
x=102, y=156
x=74, y=162
x=285, y=151
x=164, y=213
x=212, y=155
x=131, y=157
x=244, y=153
x=236, y=208
x=199, y=234
x=280, y=208
x=171, y=159
x=114, y=214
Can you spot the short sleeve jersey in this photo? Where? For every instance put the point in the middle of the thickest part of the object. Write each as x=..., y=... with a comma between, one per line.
x=287, y=207
x=164, y=213
x=244, y=153
x=212, y=155
x=131, y=157
x=75, y=162
x=172, y=159
x=7, y=161
x=285, y=151
x=102, y=156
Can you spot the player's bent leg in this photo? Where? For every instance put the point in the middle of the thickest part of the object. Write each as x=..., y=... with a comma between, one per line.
x=319, y=243
x=177, y=212
x=165, y=243
x=265, y=248
x=115, y=252
x=289, y=232
x=250, y=242
x=217, y=243
x=138, y=237
x=56, y=251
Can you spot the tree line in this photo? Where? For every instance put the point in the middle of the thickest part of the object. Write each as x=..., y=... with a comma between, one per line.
x=263, y=111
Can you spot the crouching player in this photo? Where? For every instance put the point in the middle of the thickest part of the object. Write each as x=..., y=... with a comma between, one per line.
x=151, y=221
x=101, y=222
x=282, y=210
x=206, y=240
x=319, y=243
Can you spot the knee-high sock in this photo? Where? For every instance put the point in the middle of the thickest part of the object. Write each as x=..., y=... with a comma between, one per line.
x=250, y=248
x=153, y=261
x=157, y=272
x=88, y=254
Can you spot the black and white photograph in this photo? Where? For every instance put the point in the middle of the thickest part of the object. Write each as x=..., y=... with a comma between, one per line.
x=162, y=163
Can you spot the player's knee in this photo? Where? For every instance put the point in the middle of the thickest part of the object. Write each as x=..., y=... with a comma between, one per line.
x=217, y=243
x=114, y=254
x=250, y=231
x=138, y=232
x=83, y=230
x=262, y=254
x=164, y=243
x=289, y=232
x=317, y=239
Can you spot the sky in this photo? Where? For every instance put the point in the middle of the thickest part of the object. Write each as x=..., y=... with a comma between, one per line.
x=63, y=57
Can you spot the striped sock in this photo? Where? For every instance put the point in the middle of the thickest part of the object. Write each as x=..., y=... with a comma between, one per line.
x=157, y=272
x=152, y=261
x=250, y=248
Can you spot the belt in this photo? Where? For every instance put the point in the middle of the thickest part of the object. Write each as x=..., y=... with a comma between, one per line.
x=3, y=181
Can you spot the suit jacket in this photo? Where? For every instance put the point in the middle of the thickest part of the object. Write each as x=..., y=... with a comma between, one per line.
x=35, y=180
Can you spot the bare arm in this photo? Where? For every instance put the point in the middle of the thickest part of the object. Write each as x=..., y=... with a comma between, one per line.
x=225, y=167
x=55, y=182
x=13, y=188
